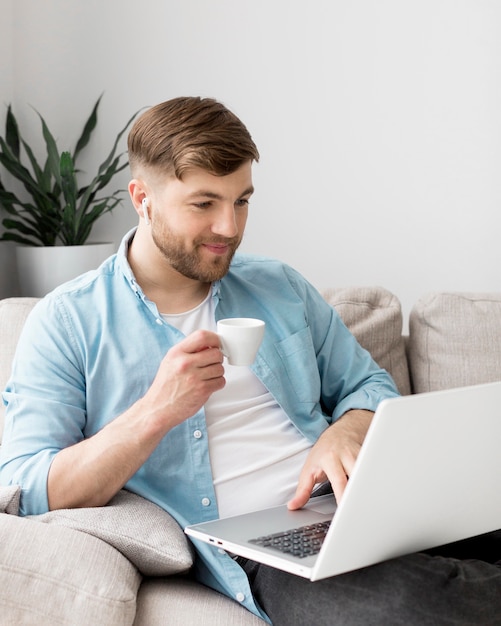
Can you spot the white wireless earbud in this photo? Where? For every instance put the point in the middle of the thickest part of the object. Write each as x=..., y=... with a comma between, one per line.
x=145, y=211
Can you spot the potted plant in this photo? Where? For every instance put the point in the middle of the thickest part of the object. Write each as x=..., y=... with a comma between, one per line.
x=53, y=213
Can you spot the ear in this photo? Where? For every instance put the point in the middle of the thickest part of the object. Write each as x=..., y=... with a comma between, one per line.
x=137, y=192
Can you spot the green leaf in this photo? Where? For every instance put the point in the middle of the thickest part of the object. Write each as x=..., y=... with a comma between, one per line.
x=43, y=177
x=69, y=185
x=22, y=228
x=16, y=169
x=52, y=151
x=58, y=208
x=90, y=217
x=7, y=199
x=12, y=136
x=89, y=127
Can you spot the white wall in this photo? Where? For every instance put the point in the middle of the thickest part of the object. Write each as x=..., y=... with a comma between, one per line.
x=6, y=48
x=8, y=276
x=378, y=121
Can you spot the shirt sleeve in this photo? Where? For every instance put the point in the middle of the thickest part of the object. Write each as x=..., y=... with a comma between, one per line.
x=350, y=378
x=45, y=404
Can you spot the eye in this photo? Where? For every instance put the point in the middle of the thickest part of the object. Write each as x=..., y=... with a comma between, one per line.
x=203, y=205
x=243, y=202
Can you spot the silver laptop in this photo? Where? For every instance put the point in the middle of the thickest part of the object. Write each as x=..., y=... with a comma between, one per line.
x=428, y=474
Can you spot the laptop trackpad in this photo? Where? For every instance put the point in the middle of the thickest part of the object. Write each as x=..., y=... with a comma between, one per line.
x=326, y=505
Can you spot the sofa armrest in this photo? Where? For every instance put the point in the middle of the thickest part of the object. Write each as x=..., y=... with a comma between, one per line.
x=54, y=575
x=142, y=531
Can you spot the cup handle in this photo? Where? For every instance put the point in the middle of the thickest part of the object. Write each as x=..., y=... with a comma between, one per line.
x=222, y=347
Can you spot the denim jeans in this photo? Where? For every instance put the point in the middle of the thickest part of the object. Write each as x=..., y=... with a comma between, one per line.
x=455, y=584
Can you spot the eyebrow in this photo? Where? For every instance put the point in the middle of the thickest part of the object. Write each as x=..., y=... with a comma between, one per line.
x=216, y=196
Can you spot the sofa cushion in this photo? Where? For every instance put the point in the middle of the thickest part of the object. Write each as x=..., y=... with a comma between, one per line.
x=142, y=531
x=55, y=575
x=374, y=316
x=455, y=340
x=13, y=314
x=187, y=602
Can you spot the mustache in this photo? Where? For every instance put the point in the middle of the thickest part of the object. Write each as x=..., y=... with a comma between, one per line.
x=219, y=241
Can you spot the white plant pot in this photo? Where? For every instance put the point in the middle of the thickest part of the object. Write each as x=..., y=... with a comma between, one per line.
x=41, y=269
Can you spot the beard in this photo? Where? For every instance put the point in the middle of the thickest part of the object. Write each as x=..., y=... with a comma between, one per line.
x=190, y=263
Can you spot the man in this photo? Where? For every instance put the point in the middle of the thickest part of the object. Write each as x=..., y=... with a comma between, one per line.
x=120, y=381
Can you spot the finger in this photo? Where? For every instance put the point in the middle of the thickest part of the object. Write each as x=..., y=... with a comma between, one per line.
x=338, y=480
x=199, y=340
x=209, y=357
x=303, y=491
x=196, y=351
x=300, y=498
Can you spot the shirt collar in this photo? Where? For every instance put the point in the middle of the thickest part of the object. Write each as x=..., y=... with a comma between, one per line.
x=129, y=275
x=124, y=263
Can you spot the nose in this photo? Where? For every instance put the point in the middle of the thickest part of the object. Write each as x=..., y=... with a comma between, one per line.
x=225, y=222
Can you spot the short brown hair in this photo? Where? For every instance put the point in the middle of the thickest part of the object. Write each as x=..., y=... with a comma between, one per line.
x=188, y=132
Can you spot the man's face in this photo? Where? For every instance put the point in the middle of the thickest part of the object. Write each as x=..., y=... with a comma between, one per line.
x=198, y=223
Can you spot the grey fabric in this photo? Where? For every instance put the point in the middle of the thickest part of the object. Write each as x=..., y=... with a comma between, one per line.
x=374, y=316
x=13, y=314
x=9, y=499
x=181, y=601
x=451, y=585
x=143, y=532
x=454, y=340
x=54, y=575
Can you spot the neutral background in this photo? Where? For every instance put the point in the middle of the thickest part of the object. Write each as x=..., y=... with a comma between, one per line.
x=378, y=121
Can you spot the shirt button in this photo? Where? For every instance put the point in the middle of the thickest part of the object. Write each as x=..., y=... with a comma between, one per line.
x=159, y=321
x=197, y=434
x=205, y=501
x=240, y=597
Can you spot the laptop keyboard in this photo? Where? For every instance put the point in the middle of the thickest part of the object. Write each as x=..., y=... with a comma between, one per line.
x=300, y=542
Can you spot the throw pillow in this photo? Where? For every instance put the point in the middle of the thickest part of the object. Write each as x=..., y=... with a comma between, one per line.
x=9, y=499
x=142, y=531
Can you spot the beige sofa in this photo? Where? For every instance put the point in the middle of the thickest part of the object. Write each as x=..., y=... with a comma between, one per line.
x=127, y=563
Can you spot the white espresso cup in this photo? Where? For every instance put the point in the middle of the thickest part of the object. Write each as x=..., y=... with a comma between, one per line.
x=240, y=339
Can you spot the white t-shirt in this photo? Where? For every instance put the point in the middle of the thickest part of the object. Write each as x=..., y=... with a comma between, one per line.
x=256, y=452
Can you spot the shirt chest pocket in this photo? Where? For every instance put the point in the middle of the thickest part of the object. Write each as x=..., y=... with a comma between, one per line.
x=299, y=364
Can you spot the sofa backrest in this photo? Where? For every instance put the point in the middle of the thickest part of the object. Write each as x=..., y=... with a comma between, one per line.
x=13, y=314
x=374, y=316
x=454, y=340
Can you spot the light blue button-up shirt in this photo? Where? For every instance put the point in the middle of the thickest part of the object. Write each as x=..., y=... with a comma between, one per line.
x=91, y=349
